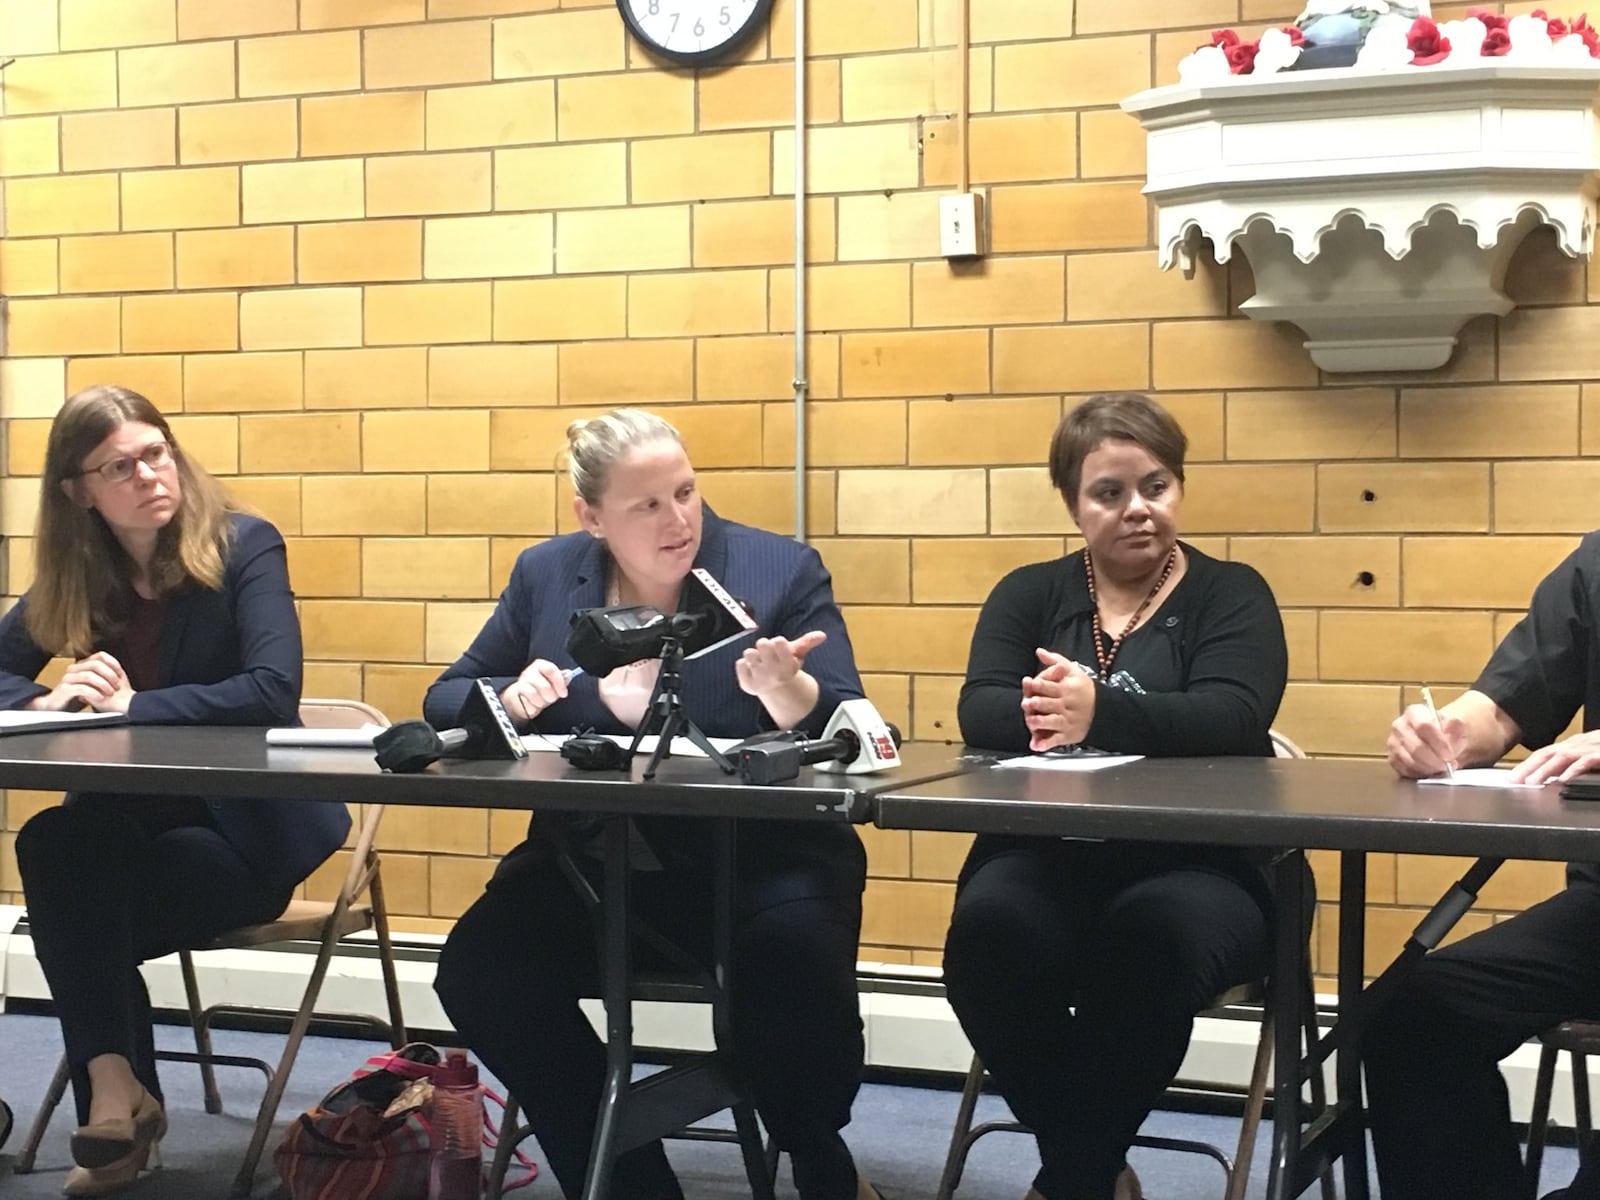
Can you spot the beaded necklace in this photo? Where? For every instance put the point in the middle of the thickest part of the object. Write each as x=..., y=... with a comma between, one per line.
x=1102, y=656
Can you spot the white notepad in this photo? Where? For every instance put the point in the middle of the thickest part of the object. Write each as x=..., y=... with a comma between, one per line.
x=358, y=738
x=1078, y=762
x=1483, y=777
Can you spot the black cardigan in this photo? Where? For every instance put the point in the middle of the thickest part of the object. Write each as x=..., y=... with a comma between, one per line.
x=1202, y=675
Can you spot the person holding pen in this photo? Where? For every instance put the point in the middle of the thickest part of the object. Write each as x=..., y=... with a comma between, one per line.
x=1440, y=1112
x=1077, y=968
x=172, y=607
x=513, y=969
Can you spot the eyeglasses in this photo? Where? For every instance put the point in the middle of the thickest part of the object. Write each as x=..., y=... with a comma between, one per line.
x=119, y=470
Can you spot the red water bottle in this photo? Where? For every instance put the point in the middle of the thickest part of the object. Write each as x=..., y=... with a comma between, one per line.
x=457, y=1172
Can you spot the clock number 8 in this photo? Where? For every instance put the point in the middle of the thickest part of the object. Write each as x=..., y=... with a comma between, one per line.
x=655, y=8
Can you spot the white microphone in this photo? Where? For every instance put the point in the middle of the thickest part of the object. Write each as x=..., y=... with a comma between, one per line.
x=876, y=742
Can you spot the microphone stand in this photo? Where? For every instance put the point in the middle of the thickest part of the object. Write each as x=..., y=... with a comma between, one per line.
x=666, y=706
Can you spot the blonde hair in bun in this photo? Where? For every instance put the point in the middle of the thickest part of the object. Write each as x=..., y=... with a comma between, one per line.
x=595, y=445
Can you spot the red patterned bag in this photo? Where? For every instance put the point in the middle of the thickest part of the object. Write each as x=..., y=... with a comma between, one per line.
x=372, y=1137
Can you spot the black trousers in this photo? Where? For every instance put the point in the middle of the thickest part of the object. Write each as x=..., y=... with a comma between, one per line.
x=1439, y=1110
x=519, y=959
x=107, y=889
x=1136, y=942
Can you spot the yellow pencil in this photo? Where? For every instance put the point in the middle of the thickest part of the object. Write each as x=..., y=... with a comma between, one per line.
x=1427, y=696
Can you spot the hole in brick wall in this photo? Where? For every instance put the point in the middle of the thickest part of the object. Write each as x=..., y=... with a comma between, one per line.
x=1366, y=579
x=1368, y=496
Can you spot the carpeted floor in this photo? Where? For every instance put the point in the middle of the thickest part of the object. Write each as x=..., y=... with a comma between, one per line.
x=899, y=1133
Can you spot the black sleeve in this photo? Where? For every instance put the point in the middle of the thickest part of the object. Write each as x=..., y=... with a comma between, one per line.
x=1538, y=674
x=1236, y=672
x=1010, y=629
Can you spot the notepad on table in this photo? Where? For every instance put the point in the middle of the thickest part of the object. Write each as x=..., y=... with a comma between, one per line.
x=1070, y=762
x=1482, y=777
x=357, y=738
x=28, y=720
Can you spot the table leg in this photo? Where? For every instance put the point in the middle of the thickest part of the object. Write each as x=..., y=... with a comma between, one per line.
x=616, y=993
x=1288, y=1003
x=1352, y=976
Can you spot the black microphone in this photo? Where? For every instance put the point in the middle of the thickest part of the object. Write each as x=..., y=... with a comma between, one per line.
x=779, y=761
x=486, y=732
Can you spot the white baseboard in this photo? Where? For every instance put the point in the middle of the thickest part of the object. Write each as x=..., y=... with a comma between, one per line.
x=909, y=1026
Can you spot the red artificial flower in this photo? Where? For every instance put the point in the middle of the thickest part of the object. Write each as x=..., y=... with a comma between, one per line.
x=1491, y=20
x=1296, y=37
x=1242, y=57
x=1426, y=43
x=1497, y=43
x=1226, y=38
x=1557, y=28
x=1591, y=38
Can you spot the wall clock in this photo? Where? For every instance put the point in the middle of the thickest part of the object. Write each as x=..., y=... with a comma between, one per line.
x=693, y=32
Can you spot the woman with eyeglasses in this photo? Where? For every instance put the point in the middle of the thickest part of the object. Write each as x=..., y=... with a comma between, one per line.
x=171, y=607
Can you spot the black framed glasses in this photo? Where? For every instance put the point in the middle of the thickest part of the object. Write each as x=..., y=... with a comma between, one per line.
x=119, y=470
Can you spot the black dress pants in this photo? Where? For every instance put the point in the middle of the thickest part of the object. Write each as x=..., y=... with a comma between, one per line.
x=512, y=972
x=1135, y=941
x=110, y=882
x=1439, y=1110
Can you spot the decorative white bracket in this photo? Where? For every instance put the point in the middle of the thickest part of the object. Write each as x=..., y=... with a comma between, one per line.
x=1378, y=210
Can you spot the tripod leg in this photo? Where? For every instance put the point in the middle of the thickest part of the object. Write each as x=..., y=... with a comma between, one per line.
x=669, y=730
x=698, y=737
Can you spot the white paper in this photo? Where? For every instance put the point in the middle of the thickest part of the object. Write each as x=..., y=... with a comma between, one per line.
x=1082, y=762
x=680, y=746
x=29, y=720
x=358, y=738
x=1486, y=777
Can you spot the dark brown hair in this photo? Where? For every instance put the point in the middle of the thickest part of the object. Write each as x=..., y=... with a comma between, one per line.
x=80, y=569
x=1119, y=416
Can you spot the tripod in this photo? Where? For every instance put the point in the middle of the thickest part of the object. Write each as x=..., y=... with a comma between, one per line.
x=666, y=706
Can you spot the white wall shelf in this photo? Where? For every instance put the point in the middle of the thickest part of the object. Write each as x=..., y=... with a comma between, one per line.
x=1378, y=210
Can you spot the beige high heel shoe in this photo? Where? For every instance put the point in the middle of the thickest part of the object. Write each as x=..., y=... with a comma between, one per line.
x=146, y=1129
x=106, y=1142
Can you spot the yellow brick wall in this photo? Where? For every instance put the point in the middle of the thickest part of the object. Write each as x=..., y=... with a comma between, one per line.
x=373, y=255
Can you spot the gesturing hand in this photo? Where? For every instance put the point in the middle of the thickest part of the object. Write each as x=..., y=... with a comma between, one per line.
x=539, y=686
x=773, y=663
x=97, y=682
x=1057, y=703
x=1420, y=746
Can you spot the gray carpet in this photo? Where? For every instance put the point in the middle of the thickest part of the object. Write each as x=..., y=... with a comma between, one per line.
x=899, y=1133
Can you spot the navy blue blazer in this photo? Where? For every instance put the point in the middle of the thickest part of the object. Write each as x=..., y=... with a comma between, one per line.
x=790, y=593
x=228, y=657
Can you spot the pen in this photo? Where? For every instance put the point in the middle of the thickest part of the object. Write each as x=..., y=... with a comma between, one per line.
x=571, y=673
x=1427, y=696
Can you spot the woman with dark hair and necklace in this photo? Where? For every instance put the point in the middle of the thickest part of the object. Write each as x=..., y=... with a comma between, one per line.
x=173, y=608
x=1077, y=968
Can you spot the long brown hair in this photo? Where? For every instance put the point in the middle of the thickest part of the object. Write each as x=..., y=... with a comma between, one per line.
x=81, y=571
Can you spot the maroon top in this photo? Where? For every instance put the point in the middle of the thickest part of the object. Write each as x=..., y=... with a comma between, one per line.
x=139, y=647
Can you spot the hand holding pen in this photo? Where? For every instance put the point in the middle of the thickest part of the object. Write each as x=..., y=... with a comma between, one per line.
x=1449, y=763
x=1424, y=742
x=540, y=685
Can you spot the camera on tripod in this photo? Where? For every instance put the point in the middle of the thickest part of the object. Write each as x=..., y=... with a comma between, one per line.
x=605, y=639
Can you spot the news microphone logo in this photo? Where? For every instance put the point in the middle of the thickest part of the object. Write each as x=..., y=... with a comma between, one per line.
x=877, y=744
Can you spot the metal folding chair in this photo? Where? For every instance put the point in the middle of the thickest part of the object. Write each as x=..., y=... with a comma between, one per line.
x=359, y=906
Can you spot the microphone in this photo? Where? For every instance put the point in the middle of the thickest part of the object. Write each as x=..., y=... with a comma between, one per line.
x=857, y=739
x=486, y=732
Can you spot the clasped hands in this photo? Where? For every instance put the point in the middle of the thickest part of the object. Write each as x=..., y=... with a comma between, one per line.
x=1420, y=747
x=1057, y=703
x=772, y=670
x=97, y=681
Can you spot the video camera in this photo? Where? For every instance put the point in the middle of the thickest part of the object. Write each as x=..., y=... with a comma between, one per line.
x=604, y=639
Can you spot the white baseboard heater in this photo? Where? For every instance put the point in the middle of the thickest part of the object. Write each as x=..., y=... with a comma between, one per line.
x=909, y=1026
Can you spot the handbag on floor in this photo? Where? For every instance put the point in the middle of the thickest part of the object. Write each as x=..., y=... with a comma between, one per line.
x=386, y=1134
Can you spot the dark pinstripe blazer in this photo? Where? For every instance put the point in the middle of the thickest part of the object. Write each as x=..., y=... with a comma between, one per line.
x=789, y=591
